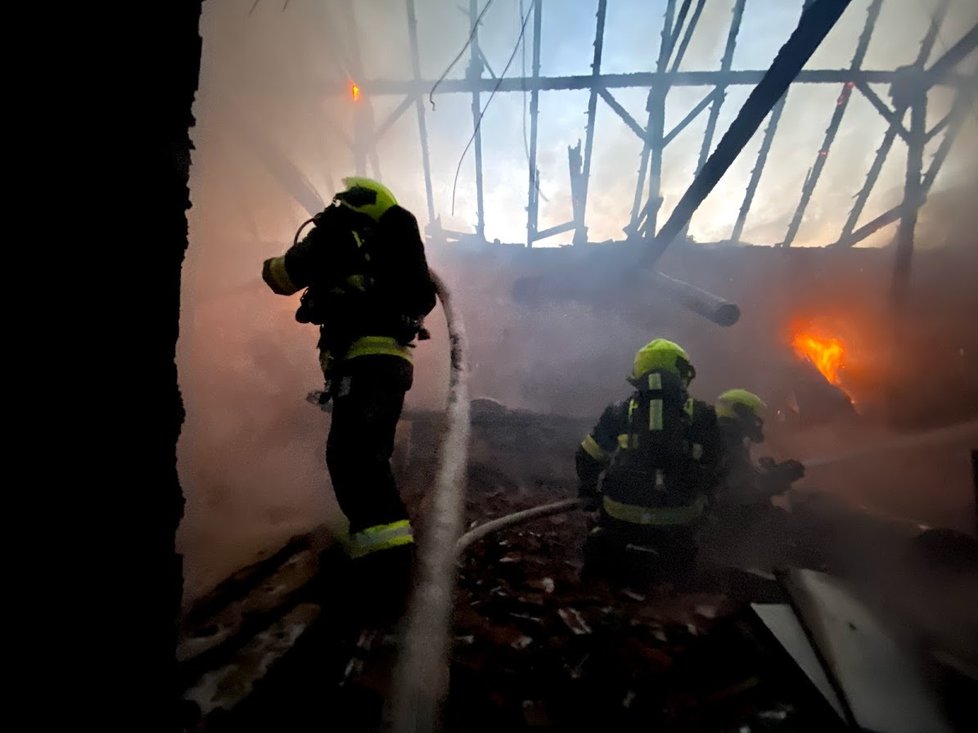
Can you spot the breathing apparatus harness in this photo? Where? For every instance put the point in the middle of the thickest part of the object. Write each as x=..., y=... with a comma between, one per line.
x=334, y=339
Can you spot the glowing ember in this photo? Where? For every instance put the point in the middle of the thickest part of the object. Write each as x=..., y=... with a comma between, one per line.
x=355, y=91
x=825, y=353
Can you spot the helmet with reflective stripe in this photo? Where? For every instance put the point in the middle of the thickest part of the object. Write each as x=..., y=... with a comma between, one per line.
x=366, y=196
x=746, y=408
x=735, y=401
x=665, y=355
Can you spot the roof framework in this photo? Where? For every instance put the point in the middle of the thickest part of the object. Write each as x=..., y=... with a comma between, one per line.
x=908, y=94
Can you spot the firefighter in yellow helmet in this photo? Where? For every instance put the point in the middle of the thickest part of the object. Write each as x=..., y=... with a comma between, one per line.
x=649, y=467
x=741, y=417
x=367, y=288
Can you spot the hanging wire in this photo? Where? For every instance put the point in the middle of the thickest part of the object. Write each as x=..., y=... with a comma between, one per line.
x=478, y=123
x=475, y=29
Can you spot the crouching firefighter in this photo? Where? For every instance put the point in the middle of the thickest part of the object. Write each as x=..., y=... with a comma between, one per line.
x=747, y=529
x=649, y=467
x=741, y=417
x=367, y=287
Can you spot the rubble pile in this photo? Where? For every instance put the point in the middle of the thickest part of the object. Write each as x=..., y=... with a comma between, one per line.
x=538, y=648
x=535, y=646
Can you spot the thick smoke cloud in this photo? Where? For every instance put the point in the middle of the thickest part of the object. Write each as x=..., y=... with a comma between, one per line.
x=274, y=118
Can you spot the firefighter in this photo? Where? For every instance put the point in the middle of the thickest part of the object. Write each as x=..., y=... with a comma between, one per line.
x=745, y=528
x=649, y=467
x=368, y=289
x=741, y=418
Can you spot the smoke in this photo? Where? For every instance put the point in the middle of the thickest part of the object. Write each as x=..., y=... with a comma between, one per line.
x=275, y=125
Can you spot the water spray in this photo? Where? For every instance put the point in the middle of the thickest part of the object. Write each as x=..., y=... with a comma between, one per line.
x=937, y=436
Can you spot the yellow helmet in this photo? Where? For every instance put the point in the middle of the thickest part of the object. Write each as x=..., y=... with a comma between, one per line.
x=747, y=409
x=366, y=196
x=728, y=402
x=663, y=354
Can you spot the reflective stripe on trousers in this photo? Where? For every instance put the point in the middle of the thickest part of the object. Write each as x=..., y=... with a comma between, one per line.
x=381, y=537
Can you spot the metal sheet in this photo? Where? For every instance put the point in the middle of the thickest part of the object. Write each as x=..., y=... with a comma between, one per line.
x=882, y=683
x=780, y=619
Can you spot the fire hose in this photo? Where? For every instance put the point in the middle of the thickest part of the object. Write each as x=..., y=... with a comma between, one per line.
x=494, y=525
x=420, y=676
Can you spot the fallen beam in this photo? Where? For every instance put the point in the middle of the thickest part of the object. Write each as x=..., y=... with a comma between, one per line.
x=710, y=306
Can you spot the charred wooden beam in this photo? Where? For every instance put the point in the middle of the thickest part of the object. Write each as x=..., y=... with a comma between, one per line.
x=646, y=79
x=817, y=20
x=474, y=73
x=419, y=107
x=912, y=198
x=621, y=112
x=832, y=130
x=580, y=236
x=755, y=175
x=533, y=196
x=655, y=105
x=926, y=46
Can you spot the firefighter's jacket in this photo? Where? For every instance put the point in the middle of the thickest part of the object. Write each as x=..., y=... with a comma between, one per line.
x=367, y=282
x=741, y=481
x=653, y=458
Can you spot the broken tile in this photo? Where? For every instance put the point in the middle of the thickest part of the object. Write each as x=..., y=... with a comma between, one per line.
x=574, y=621
x=527, y=617
x=544, y=584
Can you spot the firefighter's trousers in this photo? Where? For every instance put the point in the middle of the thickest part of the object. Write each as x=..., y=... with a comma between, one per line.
x=368, y=396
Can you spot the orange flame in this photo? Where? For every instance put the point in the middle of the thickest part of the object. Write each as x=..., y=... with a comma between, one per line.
x=825, y=353
x=355, y=91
